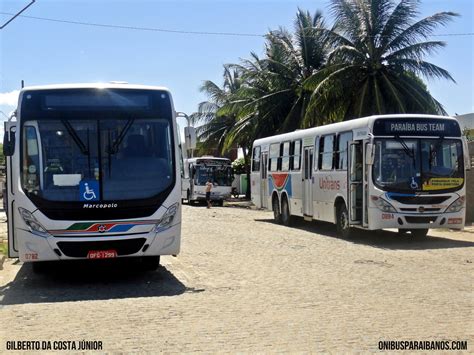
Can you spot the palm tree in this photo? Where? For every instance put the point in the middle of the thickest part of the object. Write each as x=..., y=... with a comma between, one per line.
x=218, y=117
x=378, y=58
x=214, y=116
x=272, y=97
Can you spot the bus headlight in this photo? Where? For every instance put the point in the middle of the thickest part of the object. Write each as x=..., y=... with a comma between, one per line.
x=382, y=204
x=167, y=219
x=32, y=223
x=457, y=205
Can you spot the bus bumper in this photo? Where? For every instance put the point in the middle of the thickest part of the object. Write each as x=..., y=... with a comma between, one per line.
x=382, y=220
x=36, y=248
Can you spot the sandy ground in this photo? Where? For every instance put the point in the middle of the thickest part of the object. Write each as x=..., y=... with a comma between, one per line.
x=245, y=284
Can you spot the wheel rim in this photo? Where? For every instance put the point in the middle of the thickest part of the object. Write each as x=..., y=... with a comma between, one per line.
x=344, y=221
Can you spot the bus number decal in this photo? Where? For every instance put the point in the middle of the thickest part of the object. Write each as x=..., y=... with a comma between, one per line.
x=388, y=216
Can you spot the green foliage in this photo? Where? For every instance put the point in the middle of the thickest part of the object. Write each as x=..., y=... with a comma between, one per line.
x=239, y=165
x=378, y=55
x=3, y=248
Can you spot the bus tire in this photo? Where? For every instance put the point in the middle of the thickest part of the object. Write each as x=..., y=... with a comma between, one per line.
x=187, y=197
x=220, y=203
x=419, y=233
x=343, y=228
x=150, y=263
x=276, y=210
x=285, y=213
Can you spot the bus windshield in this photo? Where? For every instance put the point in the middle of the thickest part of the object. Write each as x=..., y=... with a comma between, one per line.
x=221, y=175
x=96, y=160
x=414, y=165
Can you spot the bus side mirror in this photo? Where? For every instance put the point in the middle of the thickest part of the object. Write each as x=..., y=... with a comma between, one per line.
x=369, y=154
x=190, y=137
x=9, y=143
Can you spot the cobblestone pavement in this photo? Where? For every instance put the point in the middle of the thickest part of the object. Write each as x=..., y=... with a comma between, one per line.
x=243, y=283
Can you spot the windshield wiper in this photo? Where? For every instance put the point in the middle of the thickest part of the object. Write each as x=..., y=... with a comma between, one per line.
x=408, y=151
x=72, y=132
x=114, y=148
x=433, y=152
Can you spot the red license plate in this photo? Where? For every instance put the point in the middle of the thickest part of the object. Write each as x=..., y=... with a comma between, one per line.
x=454, y=220
x=101, y=254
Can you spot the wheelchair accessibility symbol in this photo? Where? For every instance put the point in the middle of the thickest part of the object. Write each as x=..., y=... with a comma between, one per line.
x=89, y=190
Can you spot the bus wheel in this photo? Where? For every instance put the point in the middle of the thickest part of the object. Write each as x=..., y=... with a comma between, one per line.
x=285, y=213
x=343, y=228
x=220, y=203
x=187, y=197
x=419, y=233
x=150, y=263
x=276, y=210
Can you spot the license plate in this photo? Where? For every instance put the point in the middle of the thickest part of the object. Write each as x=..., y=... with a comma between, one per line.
x=454, y=220
x=101, y=254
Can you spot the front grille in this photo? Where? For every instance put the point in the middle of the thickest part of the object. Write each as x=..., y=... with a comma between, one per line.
x=80, y=249
x=419, y=200
x=417, y=219
x=426, y=209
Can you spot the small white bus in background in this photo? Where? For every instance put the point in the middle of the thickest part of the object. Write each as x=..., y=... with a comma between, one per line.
x=392, y=171
x=197, y=171
x=93, y=172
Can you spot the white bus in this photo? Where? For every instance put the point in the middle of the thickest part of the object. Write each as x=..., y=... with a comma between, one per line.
x=93, y=172
x=393, y=171
x=199, y=170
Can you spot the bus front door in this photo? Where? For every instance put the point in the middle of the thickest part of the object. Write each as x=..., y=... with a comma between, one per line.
x=8, y=195
x=263, y=180
x=308, y=183
x=355, y=182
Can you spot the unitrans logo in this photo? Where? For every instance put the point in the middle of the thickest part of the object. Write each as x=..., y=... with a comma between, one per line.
x=100, y=205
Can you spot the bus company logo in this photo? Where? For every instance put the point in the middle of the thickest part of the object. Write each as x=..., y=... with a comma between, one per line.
x=329, y=184
x=101, y=228
x=100, y=205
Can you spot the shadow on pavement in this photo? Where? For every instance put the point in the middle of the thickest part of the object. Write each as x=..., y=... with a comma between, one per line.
x=70, y=281
x=378, y=239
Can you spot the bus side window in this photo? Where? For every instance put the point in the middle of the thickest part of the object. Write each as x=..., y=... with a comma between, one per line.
x=326, y=152
x=256, y=159
x=273, y=161
x=285, y=156
x=343, y=140
x=295, y=152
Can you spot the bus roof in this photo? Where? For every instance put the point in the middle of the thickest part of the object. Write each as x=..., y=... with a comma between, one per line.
x=364, y=122
x=109, y=85
x=206, y=157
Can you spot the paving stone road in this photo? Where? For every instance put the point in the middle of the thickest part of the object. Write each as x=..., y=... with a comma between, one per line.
x=245, y=284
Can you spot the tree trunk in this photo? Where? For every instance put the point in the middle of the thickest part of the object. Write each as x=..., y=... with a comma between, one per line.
x=247, y=169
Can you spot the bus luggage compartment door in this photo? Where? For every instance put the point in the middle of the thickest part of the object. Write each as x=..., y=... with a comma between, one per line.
x=355, y=182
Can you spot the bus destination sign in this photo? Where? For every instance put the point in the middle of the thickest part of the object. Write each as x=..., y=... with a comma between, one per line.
x=417, y=127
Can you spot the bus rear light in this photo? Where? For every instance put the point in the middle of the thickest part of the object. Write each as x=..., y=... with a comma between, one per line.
x=382, y=204
x=167, y=219
x=457, y=205
x=32, y=223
